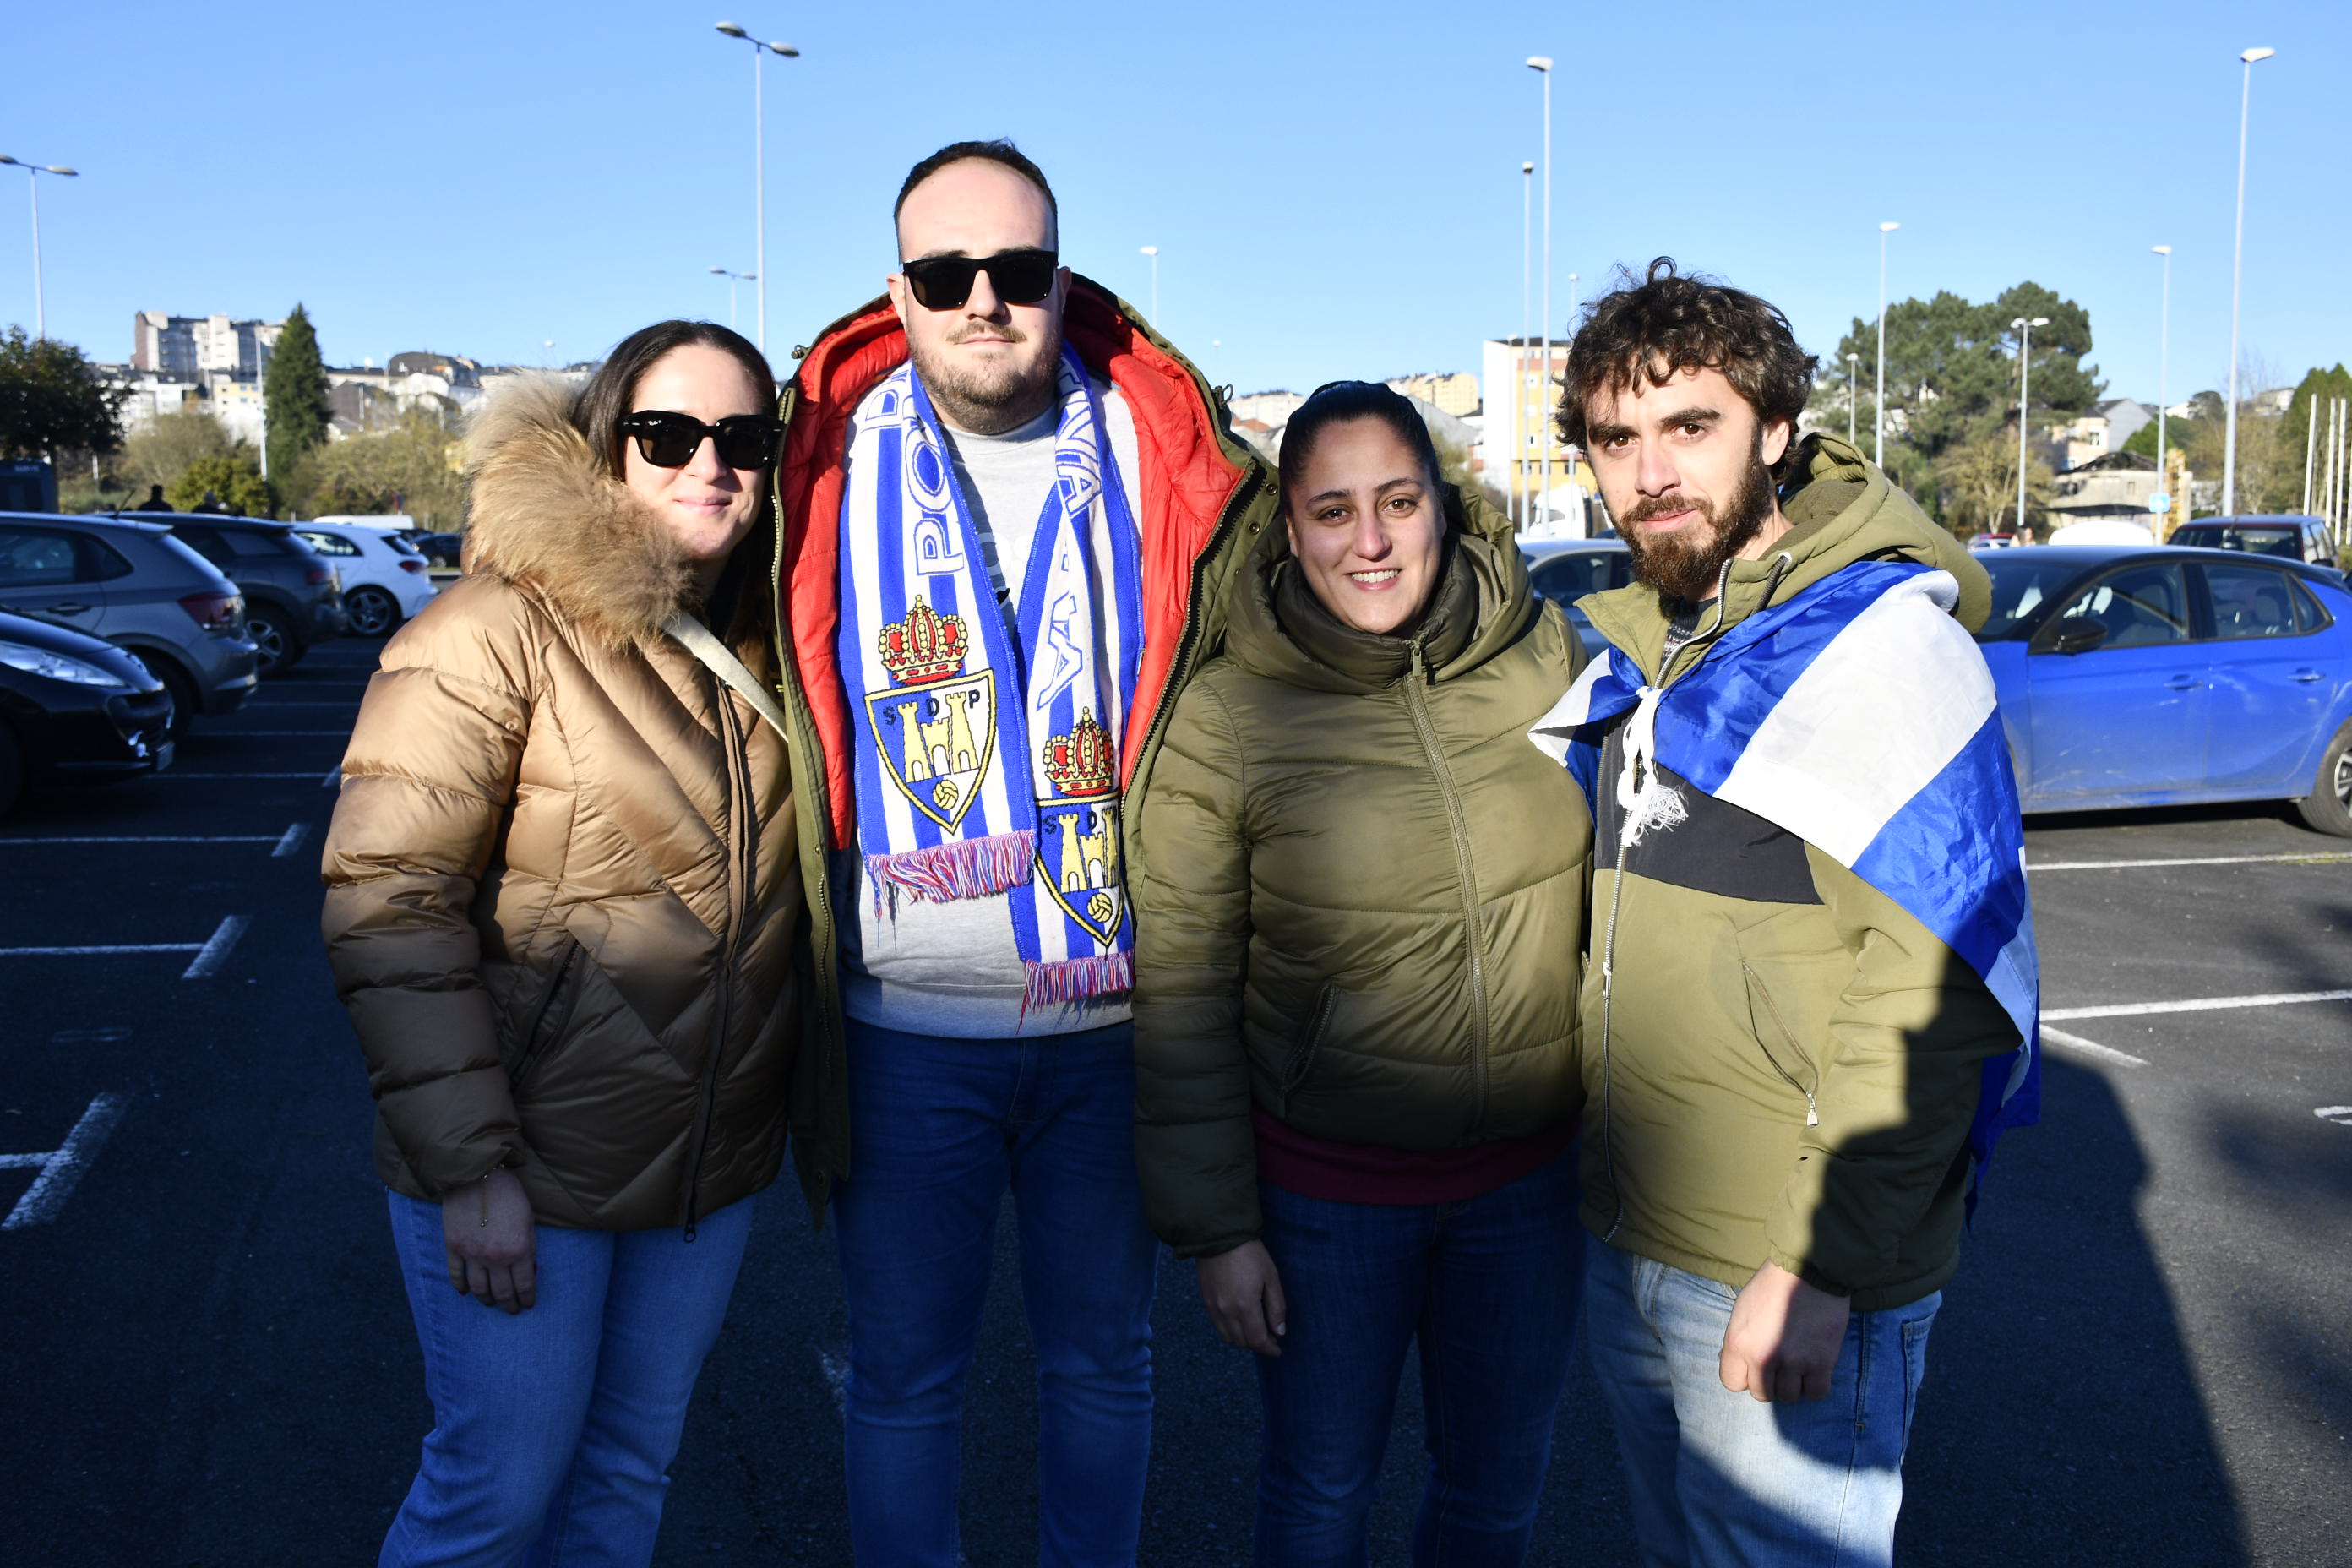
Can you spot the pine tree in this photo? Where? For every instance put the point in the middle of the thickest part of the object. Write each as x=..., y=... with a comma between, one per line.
x=294, y=395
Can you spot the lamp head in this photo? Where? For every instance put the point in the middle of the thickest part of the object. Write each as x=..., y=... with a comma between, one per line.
x=2161, y=250
x=6, y=159
x=1888, y=227
x=1540, y=62
x=1525, y=168
x=732, y=31
x=786, y=50
x=1148, y=249
x=61, y=169
x=721, y=271
x=2251, y=56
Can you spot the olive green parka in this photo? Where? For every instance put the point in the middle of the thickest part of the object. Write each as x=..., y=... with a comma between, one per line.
x=1365, y=899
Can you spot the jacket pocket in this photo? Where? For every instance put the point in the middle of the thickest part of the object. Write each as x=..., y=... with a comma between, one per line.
x=1770, y=1026
x=1310, y=1040
x=554, y=1012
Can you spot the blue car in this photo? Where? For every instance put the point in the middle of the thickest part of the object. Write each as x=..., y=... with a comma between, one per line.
x=1564, y=570
x=2154, y=676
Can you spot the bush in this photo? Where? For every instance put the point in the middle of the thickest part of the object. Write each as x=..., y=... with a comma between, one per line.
x=232, y=476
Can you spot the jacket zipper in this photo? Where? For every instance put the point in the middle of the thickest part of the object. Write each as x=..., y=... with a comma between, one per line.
x=1326, y=1001
x=533, y=1046
x=1474, y=935
x=738, y=896
x=1812, y=1109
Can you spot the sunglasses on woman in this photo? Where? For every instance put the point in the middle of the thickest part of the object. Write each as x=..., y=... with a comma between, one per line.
x=669, y=441
x=1019, y=277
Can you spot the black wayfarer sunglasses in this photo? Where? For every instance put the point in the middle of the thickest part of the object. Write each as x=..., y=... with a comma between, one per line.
x=669, y=441
x=1019, y=277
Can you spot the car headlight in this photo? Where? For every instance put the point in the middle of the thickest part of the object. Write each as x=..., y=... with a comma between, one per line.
x=58, y=666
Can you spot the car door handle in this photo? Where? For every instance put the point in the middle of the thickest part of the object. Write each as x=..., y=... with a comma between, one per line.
x=2308, y=675
x=70, y=609
x=2184, y=683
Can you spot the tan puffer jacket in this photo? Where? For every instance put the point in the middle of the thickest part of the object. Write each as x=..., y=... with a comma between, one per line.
x=564, y=894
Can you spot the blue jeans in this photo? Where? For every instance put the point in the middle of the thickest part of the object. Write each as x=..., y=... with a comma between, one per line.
x=1488, y=1287
x=1720, y=1480
x=940, y=1130
x=554, y=1429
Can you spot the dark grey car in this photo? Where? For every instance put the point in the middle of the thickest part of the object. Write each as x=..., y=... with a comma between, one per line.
x=292, y=596
x=1565, y=569
x=134, y=585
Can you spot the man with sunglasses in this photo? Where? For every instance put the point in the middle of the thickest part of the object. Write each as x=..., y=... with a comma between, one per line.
x=1011, y=515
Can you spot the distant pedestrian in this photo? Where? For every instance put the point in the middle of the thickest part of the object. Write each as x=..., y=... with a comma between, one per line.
x=1010, y=514
x=210, y=506
x=154, y=501
x=566, y=907
x=1815, y=995
x=1356, y=979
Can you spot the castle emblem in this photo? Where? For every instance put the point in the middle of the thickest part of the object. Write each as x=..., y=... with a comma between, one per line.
x=934, y=727
x=1078, y=857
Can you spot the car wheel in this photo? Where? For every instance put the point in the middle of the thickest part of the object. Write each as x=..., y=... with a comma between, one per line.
x=182, y=690
x=373, y=611
x=12, y=770
x=2328, y=807
x=274, y=639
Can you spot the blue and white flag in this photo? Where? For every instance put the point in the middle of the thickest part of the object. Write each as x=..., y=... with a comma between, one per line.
x=1860, y=717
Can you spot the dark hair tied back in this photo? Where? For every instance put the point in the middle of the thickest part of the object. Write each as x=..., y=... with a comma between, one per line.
x=1338, y=401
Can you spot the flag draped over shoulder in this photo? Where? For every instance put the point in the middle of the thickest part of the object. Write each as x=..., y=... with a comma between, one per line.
x=1860, y=717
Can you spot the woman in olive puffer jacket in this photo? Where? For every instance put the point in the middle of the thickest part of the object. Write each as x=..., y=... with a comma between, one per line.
x=1359, y=911
x=565, y=907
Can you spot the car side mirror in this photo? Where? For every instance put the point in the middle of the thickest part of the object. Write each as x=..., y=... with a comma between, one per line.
x=2077, y=633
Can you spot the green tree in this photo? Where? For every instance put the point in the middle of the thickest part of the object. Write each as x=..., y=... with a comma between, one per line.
x=294, y=394
x=414, y=467
x=160, y=451
x=2318, y=386
x=233, y=479
x=52, y=398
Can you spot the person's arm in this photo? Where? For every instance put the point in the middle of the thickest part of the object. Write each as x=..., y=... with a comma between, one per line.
x=427, y=779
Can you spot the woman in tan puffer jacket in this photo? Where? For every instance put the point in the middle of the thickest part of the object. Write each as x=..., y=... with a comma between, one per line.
x=565, y=906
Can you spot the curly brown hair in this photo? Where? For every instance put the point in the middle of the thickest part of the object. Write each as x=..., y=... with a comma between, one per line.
x=1665, y=323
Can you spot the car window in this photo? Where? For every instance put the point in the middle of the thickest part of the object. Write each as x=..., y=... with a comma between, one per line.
x=33, y=558
x=97, y=560
x=1566, y=578
x=327, y=543
x=2021, y=585
x=2308, y=608
x=2250, y=602
x=257, y=542
x=207, y=543
x=2265, y=540
x=2139, y=605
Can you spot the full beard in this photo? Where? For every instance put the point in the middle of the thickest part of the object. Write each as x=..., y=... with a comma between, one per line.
x=1686, y=565
x=990, y=399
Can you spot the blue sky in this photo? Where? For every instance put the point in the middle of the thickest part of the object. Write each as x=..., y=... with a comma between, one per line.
x=1334, y=187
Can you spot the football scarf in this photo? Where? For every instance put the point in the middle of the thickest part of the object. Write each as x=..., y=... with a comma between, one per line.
x=990, y=733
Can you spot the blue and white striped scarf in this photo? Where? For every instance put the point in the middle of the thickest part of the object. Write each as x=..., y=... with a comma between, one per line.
x=962, y=794
x=1860, y=717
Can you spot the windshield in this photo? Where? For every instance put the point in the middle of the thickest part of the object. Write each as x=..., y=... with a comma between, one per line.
x=2255, y=539
x=2021, y=584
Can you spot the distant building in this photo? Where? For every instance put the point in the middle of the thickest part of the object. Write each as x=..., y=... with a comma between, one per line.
x=1455, y=394
x=2103, y=430
x=1521, y=401
x=2118, y=484
x=184, y=347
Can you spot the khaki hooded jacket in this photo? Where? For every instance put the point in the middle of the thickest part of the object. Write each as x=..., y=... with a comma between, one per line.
x=563, y=891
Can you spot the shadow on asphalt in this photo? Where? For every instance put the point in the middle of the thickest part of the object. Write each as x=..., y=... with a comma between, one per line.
x=2158, y=815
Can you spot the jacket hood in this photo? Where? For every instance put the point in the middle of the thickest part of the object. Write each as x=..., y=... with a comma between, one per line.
x=1841, y=509
x=1480, y=604
x=544, y=512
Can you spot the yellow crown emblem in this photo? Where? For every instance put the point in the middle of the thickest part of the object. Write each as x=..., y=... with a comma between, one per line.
x=924, y=648
x=1083, y=761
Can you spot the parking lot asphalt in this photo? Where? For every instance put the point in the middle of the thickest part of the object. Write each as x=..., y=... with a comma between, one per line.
x=207, y=1359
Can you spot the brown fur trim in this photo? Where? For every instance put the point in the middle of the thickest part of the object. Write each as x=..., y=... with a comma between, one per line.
x=544, y=512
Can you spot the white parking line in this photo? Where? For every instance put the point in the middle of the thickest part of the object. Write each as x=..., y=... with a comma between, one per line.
x=214, y=952
x=2078, y=1045
x=61, y=1168
x=159, y=839
x=306, y=702
x=207, y=774
x=291, y=840
x=2316, y=857
x=2339, y=1114
x=2196, y=1005
x=210, y=952
x=334, y=779
x=279, y=735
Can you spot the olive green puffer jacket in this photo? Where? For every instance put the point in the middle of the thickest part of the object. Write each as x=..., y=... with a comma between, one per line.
x=1366, y=892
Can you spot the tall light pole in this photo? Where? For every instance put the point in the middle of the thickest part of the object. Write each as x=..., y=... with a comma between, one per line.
x=1541, y=65
x=1878, y=400
x=1852, y=393
x=760, y=50
x=1519, y=353
x=2163, y=356
x=2237, y=275
x=1153, y=251
x=733, y=278
x=2024, y=330
x=33, y=183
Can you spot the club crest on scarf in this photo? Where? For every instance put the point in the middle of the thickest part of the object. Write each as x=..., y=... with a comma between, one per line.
x=994, y=729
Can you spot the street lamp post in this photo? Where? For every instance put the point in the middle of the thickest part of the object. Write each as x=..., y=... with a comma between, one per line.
x=1153, y=251
x=2237, y=275
x=1878, y=410
x=1520, y=353
x=2163, y=356
x=733, y=278
x=33, y=183
x=1541, y=65
x=2024, y=330
x=1853, y=393
x=760, y=50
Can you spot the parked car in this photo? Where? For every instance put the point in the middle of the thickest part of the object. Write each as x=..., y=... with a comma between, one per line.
x=133, y=584
x=384, y=579
x=75, y=707
x=1565, y=569
x=1992, y=541
x=2121, y=531
x=2293, y=538
x=441, y=551
x=292, y=598
x=2155, y=675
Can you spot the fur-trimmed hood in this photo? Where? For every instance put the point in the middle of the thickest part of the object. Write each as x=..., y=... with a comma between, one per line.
x=545, y=513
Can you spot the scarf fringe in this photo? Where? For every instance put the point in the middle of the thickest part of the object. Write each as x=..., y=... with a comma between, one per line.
x=965, y=868
x=1076, y=979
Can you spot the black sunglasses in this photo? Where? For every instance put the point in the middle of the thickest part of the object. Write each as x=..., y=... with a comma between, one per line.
x=669, y=441
x=1019, y=277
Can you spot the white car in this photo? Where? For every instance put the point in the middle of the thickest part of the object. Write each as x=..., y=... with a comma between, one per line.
x=384, y=579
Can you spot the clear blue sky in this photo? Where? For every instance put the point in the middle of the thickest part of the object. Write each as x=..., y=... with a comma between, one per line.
x=1334, y=187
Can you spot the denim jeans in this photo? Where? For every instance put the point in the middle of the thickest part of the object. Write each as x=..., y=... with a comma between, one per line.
x=554, y=1429
x=1488, y=1287
x=1720, y=1479
x=940, y=1129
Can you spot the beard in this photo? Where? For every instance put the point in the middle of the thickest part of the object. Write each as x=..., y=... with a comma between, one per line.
x=990, y=398
x=1686, y=565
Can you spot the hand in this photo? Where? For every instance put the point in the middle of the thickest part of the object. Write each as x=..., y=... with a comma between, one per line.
x=1784, y=1338
x=493, y=1253
x=1243, y=1295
